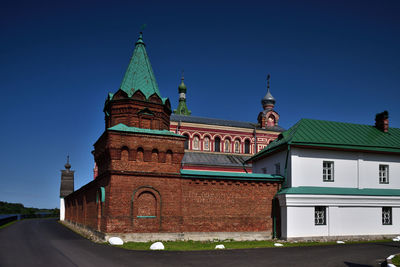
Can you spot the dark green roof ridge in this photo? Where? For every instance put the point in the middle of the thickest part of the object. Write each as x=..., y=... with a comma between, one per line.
x=123, y=128
x=314, y=190
x=343, y=135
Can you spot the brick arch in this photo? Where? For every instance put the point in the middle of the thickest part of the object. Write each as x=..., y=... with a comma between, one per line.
x=139, y=208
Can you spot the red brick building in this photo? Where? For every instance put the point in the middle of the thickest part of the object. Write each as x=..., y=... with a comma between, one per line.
x=141, y=191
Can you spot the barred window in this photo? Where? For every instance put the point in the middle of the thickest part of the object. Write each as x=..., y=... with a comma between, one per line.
x=327, y=171
x=383, y=174
x=387, y=215
x=320, y=216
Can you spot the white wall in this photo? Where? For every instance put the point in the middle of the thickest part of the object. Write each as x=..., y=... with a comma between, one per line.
x=62, y=209
x=369, y=170
x=269, y=163
x=306, y=167
x=346, y=216
x=351, y=169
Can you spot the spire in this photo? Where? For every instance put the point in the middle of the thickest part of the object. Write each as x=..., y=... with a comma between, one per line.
x=140, y=75
x=182, y=107
x=268, y=101
x=67, y=165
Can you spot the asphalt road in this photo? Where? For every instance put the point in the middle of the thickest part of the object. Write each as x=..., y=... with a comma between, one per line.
x=44, y=242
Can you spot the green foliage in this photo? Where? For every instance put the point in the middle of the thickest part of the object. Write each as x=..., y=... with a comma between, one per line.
x=18, y=208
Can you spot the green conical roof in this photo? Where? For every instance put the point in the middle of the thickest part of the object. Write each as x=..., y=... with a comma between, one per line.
x=140, y=75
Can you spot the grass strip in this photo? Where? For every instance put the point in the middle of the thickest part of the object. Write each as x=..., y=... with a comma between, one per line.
x=396, y=260
x=8, y=224
x=199, y=245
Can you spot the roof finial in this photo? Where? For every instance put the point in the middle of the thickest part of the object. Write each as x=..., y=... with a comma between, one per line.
x=67, y=165
x=268, y=77
x=183, y=75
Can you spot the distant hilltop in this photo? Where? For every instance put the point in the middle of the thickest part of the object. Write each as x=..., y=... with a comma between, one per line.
x=18, y=208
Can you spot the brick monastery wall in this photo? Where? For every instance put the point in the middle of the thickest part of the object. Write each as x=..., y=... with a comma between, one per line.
x=148, y=204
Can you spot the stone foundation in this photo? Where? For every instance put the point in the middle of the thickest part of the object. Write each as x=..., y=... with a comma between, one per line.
x=341, y=238
x=145, y=237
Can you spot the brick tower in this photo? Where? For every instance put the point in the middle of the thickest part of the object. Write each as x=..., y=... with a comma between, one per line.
x=66, y=187
x=137, y=156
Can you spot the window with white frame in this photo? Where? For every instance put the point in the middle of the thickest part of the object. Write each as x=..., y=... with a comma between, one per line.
x=278, y=168
x=196, y=143
x=327, y=171
x=206, y=144
x=387, y=215
x=383, y=174
x=227, y=146
x=320, y=215
x=237, y=146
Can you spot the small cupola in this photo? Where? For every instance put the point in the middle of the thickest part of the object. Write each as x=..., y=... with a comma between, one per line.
x=382, y=121
x=268, y=101
x=182, y=87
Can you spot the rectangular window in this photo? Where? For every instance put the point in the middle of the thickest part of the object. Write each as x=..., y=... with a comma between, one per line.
x=387, y=215
x=383, y=174
x=264, y=170
x=320, y=216
x=278, y=168
x=327, y=171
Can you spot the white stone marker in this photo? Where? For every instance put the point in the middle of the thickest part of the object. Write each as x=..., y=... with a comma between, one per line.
x=219, y=247
x=157, y=246
x=115, y=241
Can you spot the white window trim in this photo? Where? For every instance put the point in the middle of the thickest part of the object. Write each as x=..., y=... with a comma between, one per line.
x=320, y=215
x=326, y=177
x=384, y=174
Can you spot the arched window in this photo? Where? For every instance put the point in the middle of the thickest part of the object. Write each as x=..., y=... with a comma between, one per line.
x=247, y=146
x=154, y=155
x=168, y=157
x=196, y=143
x=217, y=144
x=271, y=121
x=206, y=144
x=139, y=154
x=124, y=154
x=237, y=146
x=227, y=145
x=186, y=141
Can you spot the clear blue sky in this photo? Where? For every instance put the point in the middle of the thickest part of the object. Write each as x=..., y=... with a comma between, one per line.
x=330, y=60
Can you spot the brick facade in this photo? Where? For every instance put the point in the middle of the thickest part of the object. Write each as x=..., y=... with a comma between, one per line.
x=139, y=186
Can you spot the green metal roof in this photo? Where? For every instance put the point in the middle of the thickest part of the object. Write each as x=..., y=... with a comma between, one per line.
x=230, y=175
x=123, y=128
x=312, y=190
x=140, y=75
x=308, y=132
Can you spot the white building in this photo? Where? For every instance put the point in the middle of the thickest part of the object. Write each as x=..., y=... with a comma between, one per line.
x=341, y=179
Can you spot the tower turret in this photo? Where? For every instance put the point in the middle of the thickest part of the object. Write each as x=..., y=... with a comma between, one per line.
x=66, y=187
x=182, y=107
x=268, y=117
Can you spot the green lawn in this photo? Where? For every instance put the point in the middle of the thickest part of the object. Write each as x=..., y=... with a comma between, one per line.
x=396, y=260
x=198, y=245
